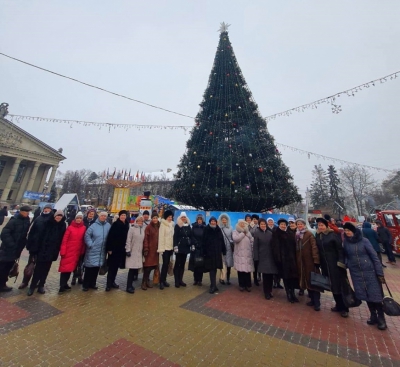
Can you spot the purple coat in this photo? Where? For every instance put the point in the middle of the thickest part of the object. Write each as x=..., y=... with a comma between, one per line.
x=243, y=253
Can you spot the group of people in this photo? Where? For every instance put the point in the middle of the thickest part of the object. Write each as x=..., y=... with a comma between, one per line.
x=256, y=247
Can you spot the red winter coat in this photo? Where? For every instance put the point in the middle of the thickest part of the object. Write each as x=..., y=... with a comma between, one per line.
x=72, y=247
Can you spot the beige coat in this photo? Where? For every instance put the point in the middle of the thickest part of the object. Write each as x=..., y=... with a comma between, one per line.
x=166, y=236
x=134, y=245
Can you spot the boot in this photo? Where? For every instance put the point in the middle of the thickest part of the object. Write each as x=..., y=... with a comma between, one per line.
x=144, y=287
x=373, y=320
x=293, y=296
x=176, y=277
x=228, y=276
x=289, y=295
x=256, y=279
x=181, y=283
x=381, y=318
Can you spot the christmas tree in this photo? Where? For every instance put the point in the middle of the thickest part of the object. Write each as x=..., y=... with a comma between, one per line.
x=231, y=162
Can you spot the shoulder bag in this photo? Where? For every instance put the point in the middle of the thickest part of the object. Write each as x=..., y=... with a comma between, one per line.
x=230, y=242
x=14, y=271
x=390, y=306
x=320, y=281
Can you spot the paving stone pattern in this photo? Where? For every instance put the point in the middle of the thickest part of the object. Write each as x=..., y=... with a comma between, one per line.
x=187, y=327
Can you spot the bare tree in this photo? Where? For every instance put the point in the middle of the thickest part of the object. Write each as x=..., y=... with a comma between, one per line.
x=357, y=183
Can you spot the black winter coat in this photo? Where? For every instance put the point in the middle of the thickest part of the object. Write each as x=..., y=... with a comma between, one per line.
x=116, y=241
x=384, y=235
x=3, y=214
x=13, y=238
x=213, y=248
x=35, y=233
x=330, y=254
x=284, y=251
x=88, y=222
x=198, y=231
x=50, y=239
x=262, y=252
x=183, y=238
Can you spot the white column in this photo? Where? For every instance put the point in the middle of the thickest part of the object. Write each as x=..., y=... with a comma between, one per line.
x=11, y=178
x=46, y=171
x=52, y=176
x=33, y=176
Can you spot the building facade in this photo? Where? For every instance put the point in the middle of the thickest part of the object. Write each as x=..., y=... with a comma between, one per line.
x=25, y=163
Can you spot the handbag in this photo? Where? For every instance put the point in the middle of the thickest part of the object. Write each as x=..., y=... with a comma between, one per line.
x=103, y=269
x=390, y=306
x=320, y=281
x=156, y=276
x=349, y=297
x=28, y=271
x=198, y=261
x=14, y=271
x=230, y=242
x=171, y=267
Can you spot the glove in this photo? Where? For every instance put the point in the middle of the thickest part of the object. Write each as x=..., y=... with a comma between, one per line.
x=145, y=253
x=176, y=249
x=193, y=248
x=382, y=279
x=128, y=254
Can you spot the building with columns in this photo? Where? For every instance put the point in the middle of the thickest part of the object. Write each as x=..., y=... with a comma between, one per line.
x=25, y=163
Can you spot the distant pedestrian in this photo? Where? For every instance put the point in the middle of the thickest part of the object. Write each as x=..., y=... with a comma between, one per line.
x=198, y=233
x=166, y=245
x=71, y=251
x=385, y=238
x=150, y=247
x=224, y=222
x=373, y=237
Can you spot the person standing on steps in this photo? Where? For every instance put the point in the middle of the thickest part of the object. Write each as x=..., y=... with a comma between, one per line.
x=308, y=261
x=115, y=247
x=262, y=252
x=183, y=242
x=13, y=241
x=366, y=273
x=243, y=254
x=224, y=222
x=95, y=240
x=331, y=258
x=284, y=250
x=150, y=247
x=134, y=252
x=46, y=250
x=72, y=249
x=213, y=251
x=198, y=232
x=166, y=245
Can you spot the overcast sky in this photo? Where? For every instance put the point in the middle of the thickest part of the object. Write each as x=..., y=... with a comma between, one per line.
x=161, y=52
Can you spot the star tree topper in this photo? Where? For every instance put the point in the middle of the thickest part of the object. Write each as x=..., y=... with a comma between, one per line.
x=224, y=27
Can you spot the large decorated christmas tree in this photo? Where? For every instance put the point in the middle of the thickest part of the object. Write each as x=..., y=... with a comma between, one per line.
x=231, y=162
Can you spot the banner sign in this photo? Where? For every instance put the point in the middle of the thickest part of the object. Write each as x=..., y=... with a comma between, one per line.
x=32, y=195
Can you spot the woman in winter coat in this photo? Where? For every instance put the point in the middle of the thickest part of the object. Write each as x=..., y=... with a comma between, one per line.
x=95, y=240
x=307, y=261
x=262, y=253
x=373, y=238
x=198, y=232
x=47, y=250
x=366, y=273
x=166, y=245
x=134, y=252
x=332, y=263
x=72, y=248
x=213, y=250
x=150, y=247
x=224, y=222
x=183, y=242
x=115, y=247
x=243, y=254
x=284, y=250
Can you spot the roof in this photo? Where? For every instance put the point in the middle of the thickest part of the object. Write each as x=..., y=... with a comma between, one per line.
x=65, y=200
x=389, y=211
x=31, y=137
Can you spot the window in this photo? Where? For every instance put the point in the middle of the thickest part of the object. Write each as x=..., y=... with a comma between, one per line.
x=20, y=173
x=389, y=220
x=2, y=165
x=398, y=219
x=10, y=194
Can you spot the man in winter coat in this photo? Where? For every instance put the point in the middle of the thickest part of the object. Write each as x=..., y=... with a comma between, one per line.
x=13, y=241
x=34, y=235
x=95, y=239
x=373, y=238
x=385, y=238
x=3, y=214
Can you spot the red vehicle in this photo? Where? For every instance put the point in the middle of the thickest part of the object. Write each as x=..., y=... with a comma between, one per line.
x=391, y=220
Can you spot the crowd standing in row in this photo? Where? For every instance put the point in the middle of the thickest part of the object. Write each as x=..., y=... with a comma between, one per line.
x=255, y=246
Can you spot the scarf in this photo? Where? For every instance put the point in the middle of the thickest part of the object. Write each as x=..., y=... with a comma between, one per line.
x=300, y=234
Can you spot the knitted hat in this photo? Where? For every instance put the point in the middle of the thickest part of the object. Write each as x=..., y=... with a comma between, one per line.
x=168, y=213
x=255, y=216
x=350, y=226
x=122, y=212
x=301, y=220
x=199, y=216
x=154, y=214
x=58, y=212
x=79, y=214
x=268, y=219
x=183, y=214
x=247, y=215
x=103, y=213
x=48, y=206
x=282, y=220
x=146, y=212
x=327, y=217
x=322, y=220
x=212, y=218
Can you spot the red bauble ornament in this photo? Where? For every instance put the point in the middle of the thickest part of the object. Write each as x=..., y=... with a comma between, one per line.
x=261, y=169
x=210, y=132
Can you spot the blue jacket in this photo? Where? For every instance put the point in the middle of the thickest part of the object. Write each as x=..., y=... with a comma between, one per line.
x=371, y=236
x=364, y=266
x=95, y=239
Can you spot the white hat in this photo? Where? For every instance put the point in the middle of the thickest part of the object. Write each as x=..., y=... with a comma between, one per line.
x=79, y=214
x=103, y=213
x=183, y=214
x=270, y=219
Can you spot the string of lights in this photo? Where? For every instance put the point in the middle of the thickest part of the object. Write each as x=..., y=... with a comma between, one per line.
x=330, y=100
x=109, y=125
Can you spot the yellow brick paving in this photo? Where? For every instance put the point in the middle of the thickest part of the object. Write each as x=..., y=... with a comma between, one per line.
x=152, y=319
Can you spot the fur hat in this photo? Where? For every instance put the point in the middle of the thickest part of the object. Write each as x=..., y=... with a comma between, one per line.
x=282, y=220
x=58, y=212
x=146, y=212
x=183, y=214
x=79, y=214
x=167, y=214
x=350, y=226
x=255, y=216
x=122, y=212
x=327, y=217
x=323, y=221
